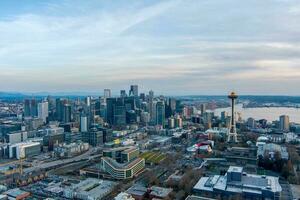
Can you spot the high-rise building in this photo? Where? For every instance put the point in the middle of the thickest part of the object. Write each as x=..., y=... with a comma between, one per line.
x=119, y=112
x=60, y=108
x=151, y=107
x=107, y=93
x=160, y=113
x=178, y=122
x=251, y=123
x=88, y=101
x=123, y=93
x=83, y=123
x=34, y=110
x=116, y=111
x=30, y=108
x=134, y=91
x=67, y=113
x=224, y=115
x=203, y=109
x=284, y=123
x=27, y=109
x=43, y=111
x=94, y=137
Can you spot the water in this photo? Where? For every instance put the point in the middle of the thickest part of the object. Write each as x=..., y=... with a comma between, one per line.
x=270, y=114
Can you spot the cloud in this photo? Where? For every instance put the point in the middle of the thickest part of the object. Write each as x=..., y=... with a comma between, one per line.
x=189, y=45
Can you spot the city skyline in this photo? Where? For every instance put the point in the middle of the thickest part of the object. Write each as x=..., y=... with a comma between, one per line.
x=189, y=47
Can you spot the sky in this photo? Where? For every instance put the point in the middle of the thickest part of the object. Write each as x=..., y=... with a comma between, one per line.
x=174, y=47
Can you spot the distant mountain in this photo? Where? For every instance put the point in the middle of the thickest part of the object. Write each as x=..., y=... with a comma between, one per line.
x=11, y=94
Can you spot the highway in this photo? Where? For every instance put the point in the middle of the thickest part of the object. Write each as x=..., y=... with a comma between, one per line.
x=61, y=162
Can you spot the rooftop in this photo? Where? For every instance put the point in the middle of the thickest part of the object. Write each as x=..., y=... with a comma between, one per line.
x=126, y=165
x=160, y=191
x=249, y=183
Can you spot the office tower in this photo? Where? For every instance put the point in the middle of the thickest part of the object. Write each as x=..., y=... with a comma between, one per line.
x=107, y=134
x=43, y=111
x=34, y=111
x=224, y=115
x=83, y=123
x=88, y=101
x=160, y=113
x=172, y=104
x=145, y=117
x=93, y=137
x=119, y=112
x=232, y=135
x=188, y=111
x=60, y=108
x=30, y=108
x=284, y=123
x=131, y=117
x=151, y=108
x=110, y=102
x=27, y=109
x=179, y=106
x=66, y=118
x=203, y=109
x=251, y=123
x=130, y=103
x=143, y=96
x=107, y=93
x=134, y=91
x=123, y=93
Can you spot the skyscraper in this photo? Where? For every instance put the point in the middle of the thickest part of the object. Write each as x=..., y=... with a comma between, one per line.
x=232, y=135
x=30, y=108
x=88, y=101
x=83, y=123
x=151, y=98
x=134, y=91
x=160, y=113
x=203, y=109
x=119, y=112
x=107, y=93
x=66, y=113
x=60, y=108
x=123, y=93
x=110, y=102
x=34, y=110
x=43, y=111
x=27, y=109
x=284, y=123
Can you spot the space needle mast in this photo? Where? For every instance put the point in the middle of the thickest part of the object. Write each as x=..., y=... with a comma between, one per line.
x=232, y=135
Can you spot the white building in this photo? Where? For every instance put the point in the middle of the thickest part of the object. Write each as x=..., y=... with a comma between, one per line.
x=90, y=189
x=43, y=111
x=124, y=196
x=24, y=149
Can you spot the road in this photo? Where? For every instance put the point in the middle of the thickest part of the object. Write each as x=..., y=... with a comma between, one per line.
x=58, y=163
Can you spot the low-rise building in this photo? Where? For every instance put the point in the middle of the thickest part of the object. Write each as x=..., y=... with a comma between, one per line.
x=138, y=192
x=17, y=194
x=271, y=149
x=238, y=183
x=24, y=149
x=124, y=196
x=159, y=192
x=90, y=189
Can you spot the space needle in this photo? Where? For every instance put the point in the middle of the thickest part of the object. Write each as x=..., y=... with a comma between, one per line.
x=232, y=135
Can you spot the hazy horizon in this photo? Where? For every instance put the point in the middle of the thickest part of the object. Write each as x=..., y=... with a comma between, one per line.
x=182, y=47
